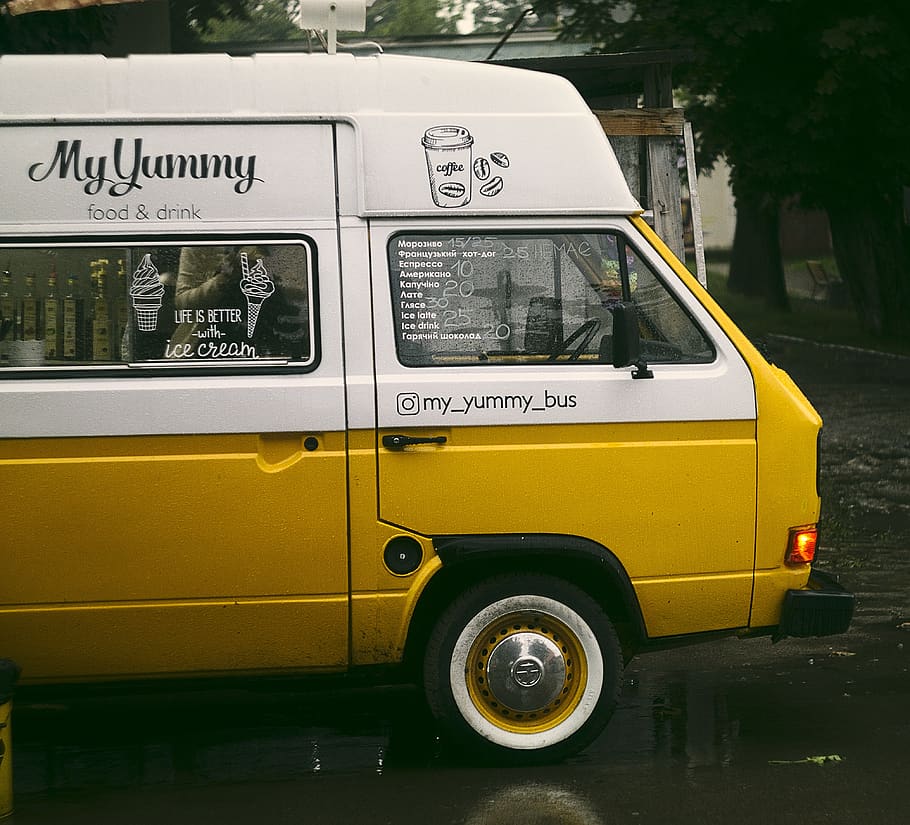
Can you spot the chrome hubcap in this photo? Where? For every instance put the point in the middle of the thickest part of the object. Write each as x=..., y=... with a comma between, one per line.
x=526, y=671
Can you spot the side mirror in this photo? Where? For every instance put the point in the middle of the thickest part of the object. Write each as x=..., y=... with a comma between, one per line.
x=627, y=340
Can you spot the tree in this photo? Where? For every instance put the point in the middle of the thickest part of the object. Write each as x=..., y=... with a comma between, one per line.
x=261, y=21
x=191, y=20
x=277, y=20
x=86, y=30
x=801, y=97
x=61, y=32
x=857, y=125
x=494, y=16
x=404, y=18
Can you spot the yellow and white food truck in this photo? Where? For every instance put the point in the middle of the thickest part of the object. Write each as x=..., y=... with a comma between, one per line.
x=315, y=363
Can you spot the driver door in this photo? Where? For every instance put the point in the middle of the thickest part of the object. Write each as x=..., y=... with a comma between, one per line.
x=493, y=350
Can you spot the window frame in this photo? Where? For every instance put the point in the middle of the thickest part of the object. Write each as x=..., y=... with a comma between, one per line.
x=623, y=240
x=188, y=367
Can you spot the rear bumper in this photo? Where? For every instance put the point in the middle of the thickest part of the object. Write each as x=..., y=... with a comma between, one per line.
x=822, y=608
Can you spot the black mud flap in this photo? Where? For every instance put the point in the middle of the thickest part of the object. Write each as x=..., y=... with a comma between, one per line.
x=823, y=608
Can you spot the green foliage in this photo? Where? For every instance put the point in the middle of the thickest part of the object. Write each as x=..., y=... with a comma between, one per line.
x=407, y=18
x=87, y=30
x=64, y=32
x=219, y=21
x=800, y=95
x=496, y=16
x=267, y=21
x=191, y=20
x=813, y=320
x=492, y=17
x=805, y=99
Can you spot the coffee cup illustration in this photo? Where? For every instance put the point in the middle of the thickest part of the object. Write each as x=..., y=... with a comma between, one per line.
x=448, y=151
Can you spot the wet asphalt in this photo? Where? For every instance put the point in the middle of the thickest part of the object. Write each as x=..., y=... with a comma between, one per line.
x=741, y=731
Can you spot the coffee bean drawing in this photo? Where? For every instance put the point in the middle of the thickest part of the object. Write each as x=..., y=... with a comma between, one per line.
x=452, y=189
x=481, y=168
x=500, y=159
x=494, y=187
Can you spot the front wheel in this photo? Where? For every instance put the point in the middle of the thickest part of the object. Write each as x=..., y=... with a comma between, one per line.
x=525, y=666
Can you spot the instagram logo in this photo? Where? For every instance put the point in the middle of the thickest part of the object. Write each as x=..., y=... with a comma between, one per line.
x=408, y=403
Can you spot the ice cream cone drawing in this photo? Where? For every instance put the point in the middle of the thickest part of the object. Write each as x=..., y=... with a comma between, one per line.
x=256, y=286
x=146, y=293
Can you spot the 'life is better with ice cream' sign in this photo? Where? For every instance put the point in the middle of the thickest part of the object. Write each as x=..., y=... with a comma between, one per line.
x=158, y=175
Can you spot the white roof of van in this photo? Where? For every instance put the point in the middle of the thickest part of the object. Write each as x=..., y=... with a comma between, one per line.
x=429, y=133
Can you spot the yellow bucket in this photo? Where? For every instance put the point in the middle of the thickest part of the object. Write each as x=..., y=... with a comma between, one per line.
x=6, y=761
x=9, y=673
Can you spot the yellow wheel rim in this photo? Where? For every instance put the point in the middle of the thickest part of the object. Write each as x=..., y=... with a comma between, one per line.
x=526, y=672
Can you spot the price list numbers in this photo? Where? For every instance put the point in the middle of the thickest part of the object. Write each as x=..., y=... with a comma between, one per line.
x=451, y=290
x=434, y=290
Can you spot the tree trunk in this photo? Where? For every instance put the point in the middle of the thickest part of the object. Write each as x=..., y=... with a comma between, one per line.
x=756, y=268
x=871, y=248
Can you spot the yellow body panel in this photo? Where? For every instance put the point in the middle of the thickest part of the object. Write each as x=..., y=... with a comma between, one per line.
x=381, y=602
x=165, y=555
x=677, y=605
x=787, y=430
x=380, y=619
x=674, y=502
x=218, y=541
x=186, y=638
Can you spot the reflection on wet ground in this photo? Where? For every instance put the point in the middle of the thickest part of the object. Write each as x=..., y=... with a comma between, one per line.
x=691, y=719
x=731, y=724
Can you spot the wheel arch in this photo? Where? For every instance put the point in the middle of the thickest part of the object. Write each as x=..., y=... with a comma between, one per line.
x=466, y=560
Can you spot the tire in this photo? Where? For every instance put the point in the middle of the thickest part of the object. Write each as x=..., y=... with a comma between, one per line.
x=525, y=667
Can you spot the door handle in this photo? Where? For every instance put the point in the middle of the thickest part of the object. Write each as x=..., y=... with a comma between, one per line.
x=399, y=442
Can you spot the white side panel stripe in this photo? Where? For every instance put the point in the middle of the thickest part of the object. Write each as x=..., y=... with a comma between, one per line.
x=152, y=406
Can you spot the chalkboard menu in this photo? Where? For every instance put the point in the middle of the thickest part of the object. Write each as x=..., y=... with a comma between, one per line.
x=471, y=298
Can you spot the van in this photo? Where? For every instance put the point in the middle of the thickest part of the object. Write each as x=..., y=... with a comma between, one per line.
x=331, y=364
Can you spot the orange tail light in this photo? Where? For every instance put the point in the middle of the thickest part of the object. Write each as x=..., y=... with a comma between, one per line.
x=802, y=544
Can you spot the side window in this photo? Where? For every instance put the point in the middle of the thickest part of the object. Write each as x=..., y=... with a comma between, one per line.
x=166, y=305
x=510, y=298
x=668, y=333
